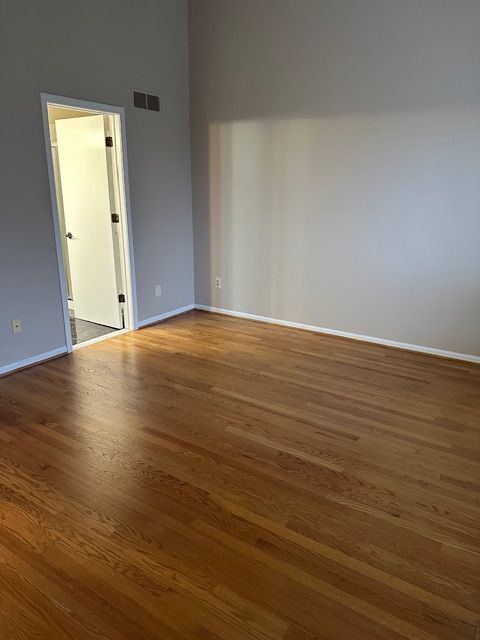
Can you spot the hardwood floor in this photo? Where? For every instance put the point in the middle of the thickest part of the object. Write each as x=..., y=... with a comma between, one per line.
x=212, y=478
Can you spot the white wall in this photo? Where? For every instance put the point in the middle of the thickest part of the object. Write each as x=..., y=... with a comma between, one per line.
x=336, y=164
x=98, y=51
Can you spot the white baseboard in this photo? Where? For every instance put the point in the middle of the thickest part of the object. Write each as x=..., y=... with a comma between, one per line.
x=165, y=316
x=344, y=334
x=41, y=357
x=106, y=336
x=28, y=362
x=48, y=355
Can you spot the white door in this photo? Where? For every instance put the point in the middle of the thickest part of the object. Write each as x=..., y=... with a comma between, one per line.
x=86, y=200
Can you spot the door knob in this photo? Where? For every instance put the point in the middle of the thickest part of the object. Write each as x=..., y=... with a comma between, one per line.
x=69, y=235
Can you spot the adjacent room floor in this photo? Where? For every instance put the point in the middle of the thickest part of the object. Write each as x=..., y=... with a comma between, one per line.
x=83, y=330
x=211, y=477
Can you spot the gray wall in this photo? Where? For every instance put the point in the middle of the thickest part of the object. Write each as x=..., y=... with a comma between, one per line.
x=336, y=164
x=100, y=51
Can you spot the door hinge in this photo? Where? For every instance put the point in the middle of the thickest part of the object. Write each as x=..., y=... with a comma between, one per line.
x=115, y=217
x=121, y=297
x=109, y=141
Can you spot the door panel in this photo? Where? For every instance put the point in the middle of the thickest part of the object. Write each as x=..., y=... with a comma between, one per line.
x=86, y=201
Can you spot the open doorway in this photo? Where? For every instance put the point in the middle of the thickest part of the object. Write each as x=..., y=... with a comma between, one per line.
x=89, y=197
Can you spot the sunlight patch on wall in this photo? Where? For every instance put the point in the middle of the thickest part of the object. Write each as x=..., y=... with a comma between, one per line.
x=335, y=217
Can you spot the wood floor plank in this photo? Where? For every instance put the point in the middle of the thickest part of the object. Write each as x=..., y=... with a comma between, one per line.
x=216, y=478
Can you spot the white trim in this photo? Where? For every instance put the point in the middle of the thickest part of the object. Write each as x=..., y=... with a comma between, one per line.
x=41, y=357
x=165, y=316
x=113, y=334
x=132, y=312
x=127, y=218
x=344, y=334
x=56, y=226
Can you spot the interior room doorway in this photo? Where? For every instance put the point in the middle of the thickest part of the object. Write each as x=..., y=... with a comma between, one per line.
x=85, y=151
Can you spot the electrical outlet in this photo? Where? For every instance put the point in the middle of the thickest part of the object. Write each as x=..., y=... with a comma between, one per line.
x=16, y=326
x=158, y=289
x=218, y=283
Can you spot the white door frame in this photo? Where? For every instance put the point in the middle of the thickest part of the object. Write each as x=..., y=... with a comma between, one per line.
x=125, y=213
